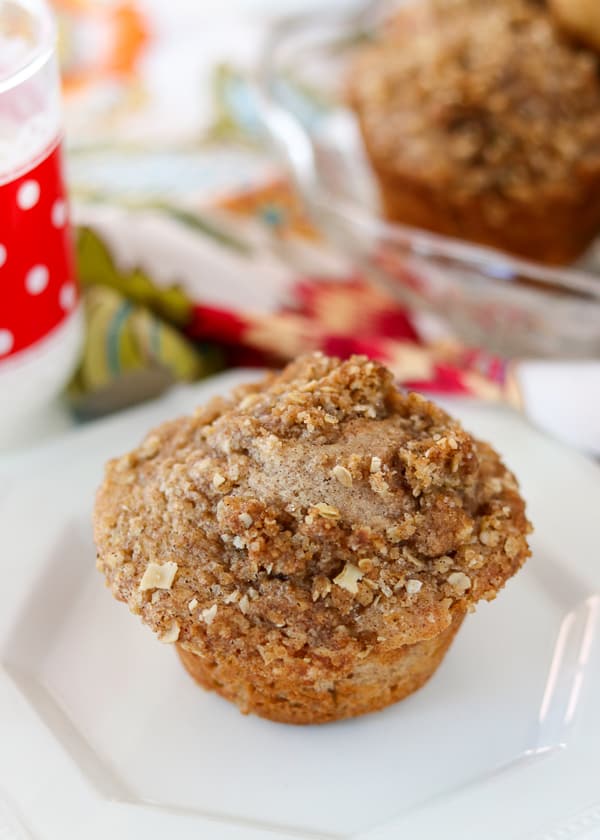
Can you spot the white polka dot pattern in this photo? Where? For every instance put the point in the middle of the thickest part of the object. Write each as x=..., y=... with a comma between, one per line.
x=38, y=289
x=59, y=213
x=67, y=297
x=6, y=341
x=28, y=194
x=37, y=279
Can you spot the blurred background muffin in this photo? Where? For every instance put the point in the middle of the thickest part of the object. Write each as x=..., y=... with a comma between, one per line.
x=482, y=121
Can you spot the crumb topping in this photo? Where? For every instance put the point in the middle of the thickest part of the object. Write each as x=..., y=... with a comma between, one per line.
x=277, y=535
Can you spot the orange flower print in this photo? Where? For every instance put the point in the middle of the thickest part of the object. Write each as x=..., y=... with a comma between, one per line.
x=97, y=41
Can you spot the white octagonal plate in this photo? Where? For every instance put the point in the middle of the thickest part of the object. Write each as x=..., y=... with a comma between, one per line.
x=102, y=733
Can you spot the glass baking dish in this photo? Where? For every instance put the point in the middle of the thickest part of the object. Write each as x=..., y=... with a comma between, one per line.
x=511, y=306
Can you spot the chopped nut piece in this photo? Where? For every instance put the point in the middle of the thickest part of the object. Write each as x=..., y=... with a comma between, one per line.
x=208, y=615
x=413, y=586
x=398, y=533
x=495, y=485
x=327, y=511
x=149, y=447
x=158, y=576
x=386, y=590
x=193, y=604
x=125, y=462
x=248, y=400
x=489, y=537
x=375, y=464
x=246, y=519
x=348, y=578
x=232, y=597
x=512, y=547
x=379, y=485
x=365, y=564
x=244, y=603
x=155, y=597
x=343, y=475
x=170, y=635
x=460, y=581
x=218, y=480
x=239, y=542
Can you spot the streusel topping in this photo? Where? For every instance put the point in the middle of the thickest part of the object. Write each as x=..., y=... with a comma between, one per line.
x=312, y=514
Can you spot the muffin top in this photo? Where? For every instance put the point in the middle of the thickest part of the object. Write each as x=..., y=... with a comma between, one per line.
x=317, y=512
x=482, y=97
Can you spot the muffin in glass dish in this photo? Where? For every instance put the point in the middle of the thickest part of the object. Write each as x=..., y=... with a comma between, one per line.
x=311, y=543
x=482, y=121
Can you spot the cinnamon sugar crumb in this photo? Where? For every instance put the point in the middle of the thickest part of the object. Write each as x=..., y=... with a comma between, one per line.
x=113, y=559
x=512, y=547
x=321, y=587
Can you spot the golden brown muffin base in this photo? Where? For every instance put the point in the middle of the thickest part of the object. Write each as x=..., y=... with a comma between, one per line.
x=554, y=230
x=378, y=681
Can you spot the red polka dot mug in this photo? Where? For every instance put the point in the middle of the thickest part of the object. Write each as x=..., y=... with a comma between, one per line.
x=40, y=326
